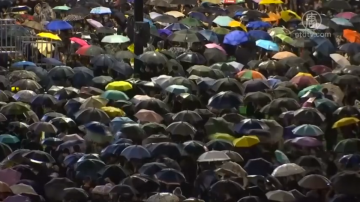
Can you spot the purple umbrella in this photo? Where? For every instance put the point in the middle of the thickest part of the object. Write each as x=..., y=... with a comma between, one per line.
x=164, y=31
x=17, y=198
x=306, y=142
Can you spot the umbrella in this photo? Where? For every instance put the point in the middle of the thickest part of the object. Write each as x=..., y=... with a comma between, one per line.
x=162, y=197
x=90, y=50
x=46, y=127
x=280, y=195
x=58, y=25
x=170, y=176
x=224, y=100
x=314, y=181
x=176, y=27
x=307, y=130
x=347, y=146
x=54, y=188
x=135, y=152
x=148, y=116
x=166, y=19
x=306, y=142
x=117, y=39
x=236, y=38
x=250, y=74
x=213, y=156
x=40, y=156
x=267, y=45
x=223, y=21
x=345, y=122
x=186, y=36
x=246, y=141
x=74, y=194
x=192, y=58
x=100, y=10
x=91, y=114
x=287, y=169
x=181, y=128
x=343, y=182
x=153, y=58
x=191, y=22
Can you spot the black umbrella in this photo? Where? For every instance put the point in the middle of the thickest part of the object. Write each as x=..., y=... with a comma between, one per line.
x=344, y=183
x=114, y=172
x=61, y=73
x=103, y=60
x=101, y=81
x=120, y=70
x=135, y=152
x=105, y=30
x=54, y=189
x=214, y=55
x=337, y=5
x=255, y=86
x=226, y=188
x=170, y=176
x=155, y=105
x=153, y=128
x=258, y=166
x=22, y=74
x=189, y=101
x=46, y=100
x=187, y=116
x=257, y=98
x=39, y=156
x=124, y=55
x=26, y=84
x=181, y=128
x=178, y=80
x=114, y=149
x=151, y=168
x=283, y=92
x=74, y=193
x=154, y=58
x=25, y=96
x=192, y=58
x=219, y=145
x=205, y=71
x=277, y=106
x=186, y=36
x=14, y=108
x=347, y=111
x=194, y=147
x=172, y=150
x=142, y=183
x=255, y=14
x=5, y=150
x=227, y=84
x=225, y=100
x=52, y=141
x=156, y=138
x=88, y=115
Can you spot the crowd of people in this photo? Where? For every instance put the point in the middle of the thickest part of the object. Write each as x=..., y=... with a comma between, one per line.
x=230, y=101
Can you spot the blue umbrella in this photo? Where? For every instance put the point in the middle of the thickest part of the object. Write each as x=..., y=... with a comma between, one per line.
x=23, y=64
x=135, y=152
x=199, y=16
x=267, y=45
x=225, y=100
x=236, y=38
x=205, y=83
x=249, y=124
x=114, y=149
x=238, y=14
x=223, y=20
x=342, y=21
x=95, y=127
x=259, y=34
x=350, y=161
x=167, y=32
x=307, y=130
x=58, y=25
x=100, y=10
x=51, y=61
x=350, y=48
x=71, y=159
x=323, y=45
x=273, y=82
x=117, y=123
x=210, y=35
x=151, y=168
x=176, y=27
x=258, y=24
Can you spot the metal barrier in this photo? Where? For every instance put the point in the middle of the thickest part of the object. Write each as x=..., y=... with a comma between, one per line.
x=34, y=48
x=7, y=42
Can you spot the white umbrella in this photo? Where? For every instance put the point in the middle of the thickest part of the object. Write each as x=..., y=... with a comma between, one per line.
x=176, y=14
x=339, y=59
x=287, y=169
x=162, y=80
x=212, y=156
x=335, y=91
x=163, y=197
x=154, y=15
x=280, y=196
x=115, y=39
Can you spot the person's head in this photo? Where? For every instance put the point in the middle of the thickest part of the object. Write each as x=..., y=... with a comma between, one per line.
x=325, y=90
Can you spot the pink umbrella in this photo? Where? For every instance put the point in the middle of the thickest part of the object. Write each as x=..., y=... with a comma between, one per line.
x=17, y=198
x=138, y=98
x=94, y=23
x=306, y=142
x=9, y=176
x=346, y=15
x=214, y=45
x=79, y=41
x=148, y=116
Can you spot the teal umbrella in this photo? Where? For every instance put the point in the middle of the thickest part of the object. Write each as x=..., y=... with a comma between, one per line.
x=62, y=8
x=326, y=104
x=307, y=130
x=177, y=89
x=114, y=95
x=9, y=139
x=281, y=157
x=223, y=21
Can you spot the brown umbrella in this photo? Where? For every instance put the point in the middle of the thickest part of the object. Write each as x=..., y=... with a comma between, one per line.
x=4, y=188
x=34, y=25
x=314, y=182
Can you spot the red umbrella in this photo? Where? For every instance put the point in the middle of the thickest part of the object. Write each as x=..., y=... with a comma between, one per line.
x=90, y=50
x=320, y=69
x=79, y=41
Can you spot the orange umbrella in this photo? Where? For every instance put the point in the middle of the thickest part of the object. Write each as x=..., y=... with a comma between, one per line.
x=282, y=55
x=250, y=74
x=273, y=17
x=351, y=35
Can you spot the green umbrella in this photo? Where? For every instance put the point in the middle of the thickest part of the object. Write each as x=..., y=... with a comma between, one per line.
x=9, y=139
x=114, y=95
x=191, y=22
x=62, y=8
x=281, y=157
x=221, y=30
x=326, y=104
x=277, y=30
x=348, y=146
x=313, y=88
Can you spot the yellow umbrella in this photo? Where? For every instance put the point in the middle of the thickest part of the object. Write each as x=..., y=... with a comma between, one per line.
x=213, y=1
x=345, y=122
x=282, y=55
x=262, y=2
x=237, y=24
x=44, y=47
x=113, y=112
x=222, y=136
x=119, y=85
x=289, y=15
x=303, y=74
x=49, y=36
x=246, y=141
